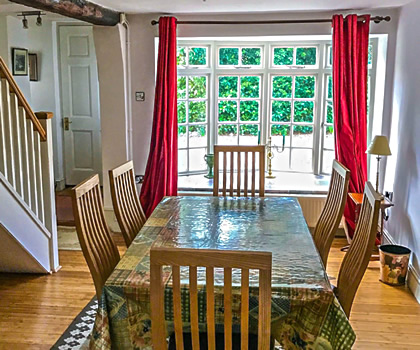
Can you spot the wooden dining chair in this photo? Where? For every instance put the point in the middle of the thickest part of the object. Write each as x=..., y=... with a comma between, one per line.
x=126, y=202
x=98, y=247
x=235, y=157
x=357, y=258
x=333, y=210
x=210, y=259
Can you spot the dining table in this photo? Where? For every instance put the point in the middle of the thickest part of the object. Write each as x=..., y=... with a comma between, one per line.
x=305, y=312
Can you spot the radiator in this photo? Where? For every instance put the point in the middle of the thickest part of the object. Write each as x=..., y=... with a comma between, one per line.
x=312, y=207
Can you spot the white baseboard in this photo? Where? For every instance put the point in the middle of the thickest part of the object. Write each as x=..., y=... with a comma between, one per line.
x=60, y=184
x=413, y=277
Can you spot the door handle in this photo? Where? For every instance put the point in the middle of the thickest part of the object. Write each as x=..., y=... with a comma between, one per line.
x=67, y=122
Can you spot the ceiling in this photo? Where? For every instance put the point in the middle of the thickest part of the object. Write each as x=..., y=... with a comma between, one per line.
x=226, y=6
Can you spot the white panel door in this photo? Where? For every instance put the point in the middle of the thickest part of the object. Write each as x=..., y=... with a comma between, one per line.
x=80, y=104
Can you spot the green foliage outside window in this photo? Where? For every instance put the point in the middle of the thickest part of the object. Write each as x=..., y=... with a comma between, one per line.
x=197, y=56
x=305, y=87
x=306, y=56
x=280, y=130
x=228, y=86
x=197, y=112
x=249, y=111
x=283, y=56
x=199, y=129
x=248, y=130
x=250, y=87
x=228, y=56
x=181, y=58
x=228, y=111
x=182, y=87
x=197, y=87
x=251, y=56
x=281, y=111
x=225, y=130
x=182, y=112
x=282, y=87
x=304, y=111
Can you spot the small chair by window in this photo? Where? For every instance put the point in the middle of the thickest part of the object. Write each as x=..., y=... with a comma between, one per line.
x=126, y=202
x=210, y=259
x=332, y=212
x=245, y=160
x=357, y=258
x=98, y=247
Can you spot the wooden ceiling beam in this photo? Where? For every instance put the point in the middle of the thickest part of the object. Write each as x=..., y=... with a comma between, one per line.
x=79, y=9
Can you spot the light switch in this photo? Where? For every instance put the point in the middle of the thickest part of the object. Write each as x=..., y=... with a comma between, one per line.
x=140, y=96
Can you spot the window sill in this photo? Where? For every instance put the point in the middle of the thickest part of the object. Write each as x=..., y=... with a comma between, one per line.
x=288, y=183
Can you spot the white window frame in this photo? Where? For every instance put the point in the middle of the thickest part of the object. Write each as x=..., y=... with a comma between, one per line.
x=267, y=70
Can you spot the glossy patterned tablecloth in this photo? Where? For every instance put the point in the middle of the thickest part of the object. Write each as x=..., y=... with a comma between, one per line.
x=305, y=313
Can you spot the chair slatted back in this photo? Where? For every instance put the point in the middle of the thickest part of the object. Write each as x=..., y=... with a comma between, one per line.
x=210, y=259
x=126, y=202
x=241, y=187
x=333, y=210
x=98, y=247
x=357, y=258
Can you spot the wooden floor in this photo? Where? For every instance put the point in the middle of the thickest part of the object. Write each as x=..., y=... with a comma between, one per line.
x=35, y=310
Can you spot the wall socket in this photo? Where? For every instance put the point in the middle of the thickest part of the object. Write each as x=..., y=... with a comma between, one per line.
x=140, y=96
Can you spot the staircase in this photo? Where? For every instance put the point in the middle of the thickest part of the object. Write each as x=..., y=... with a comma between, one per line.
x=28, y=225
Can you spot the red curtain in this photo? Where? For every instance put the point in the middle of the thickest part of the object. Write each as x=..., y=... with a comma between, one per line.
x=350, y=61
x=161, y=177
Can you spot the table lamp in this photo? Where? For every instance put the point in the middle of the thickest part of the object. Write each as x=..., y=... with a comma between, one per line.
x=380, y=147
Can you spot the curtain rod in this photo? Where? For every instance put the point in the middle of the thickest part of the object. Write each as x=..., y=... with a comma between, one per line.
x=376, y=19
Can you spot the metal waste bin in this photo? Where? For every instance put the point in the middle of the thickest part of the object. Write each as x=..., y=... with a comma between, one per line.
x=394, y=263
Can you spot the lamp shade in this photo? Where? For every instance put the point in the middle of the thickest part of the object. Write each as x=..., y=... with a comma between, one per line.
x=379, y=146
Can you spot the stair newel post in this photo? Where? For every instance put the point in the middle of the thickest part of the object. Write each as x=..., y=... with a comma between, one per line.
x=47, y=165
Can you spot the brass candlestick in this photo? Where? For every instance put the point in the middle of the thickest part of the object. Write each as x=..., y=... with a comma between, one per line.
x=270, y=156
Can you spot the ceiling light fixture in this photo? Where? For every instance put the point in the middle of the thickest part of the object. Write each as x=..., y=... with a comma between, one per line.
x=31, y=13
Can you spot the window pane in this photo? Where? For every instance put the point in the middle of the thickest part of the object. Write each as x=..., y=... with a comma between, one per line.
x=229, y=56
x=197, y=135
x=330, y=116
x=304, y=111
x=280, y=135
x=182, y=136
x=197, y=56
x=197, y=161
x=182, y=87
x=249, y=111
x=181, y=58
x=282, y=87
x=197, y=87
x=197, y=112
x=228, y=111
x=306, y=56
x=250, y=87
x=303, y=136
x=370, y=54
x=227, y=134
x=280, y=162
x=330, y=87
x=281, y=111
x=329, y=137
x=283, y=56
x=182, y=112
x=248, y=134
x=228, y=86
x=251, y=56
x=182, y=160
x=302, y=160
x=305, y=86
x=329, y=63
x=327, y=160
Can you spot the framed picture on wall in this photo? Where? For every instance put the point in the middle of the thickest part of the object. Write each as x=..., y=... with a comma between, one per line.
x=20, y=61
x=33, y=67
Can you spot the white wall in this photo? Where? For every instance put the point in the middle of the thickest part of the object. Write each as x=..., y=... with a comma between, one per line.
x=40, y=95
x=404, y=222
x=143, y=57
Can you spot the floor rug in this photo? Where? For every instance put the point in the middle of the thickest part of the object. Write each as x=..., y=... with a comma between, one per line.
x=67, y=238
x=76, y=336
